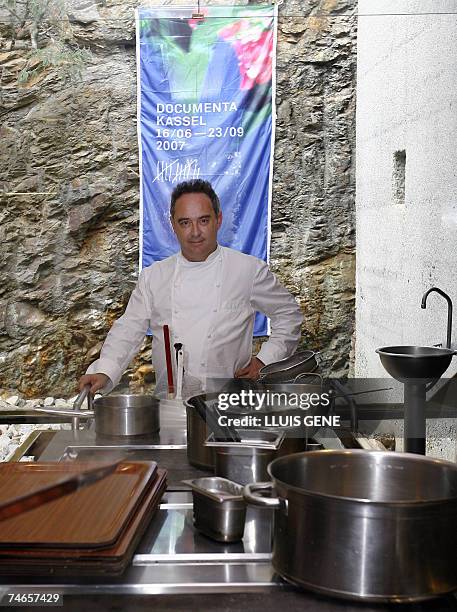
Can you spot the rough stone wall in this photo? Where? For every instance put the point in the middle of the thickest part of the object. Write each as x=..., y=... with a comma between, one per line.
x=69, y=234
x=313, y=219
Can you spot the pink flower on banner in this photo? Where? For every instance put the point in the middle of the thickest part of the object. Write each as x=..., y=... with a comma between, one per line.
x=253, y=44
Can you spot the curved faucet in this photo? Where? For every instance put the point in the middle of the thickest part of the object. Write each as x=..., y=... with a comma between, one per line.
x=449, y=311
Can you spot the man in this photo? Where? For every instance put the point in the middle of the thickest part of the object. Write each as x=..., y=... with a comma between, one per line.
x=207, y=295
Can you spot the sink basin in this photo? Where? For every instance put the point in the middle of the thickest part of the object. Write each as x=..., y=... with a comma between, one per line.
x=405, y=363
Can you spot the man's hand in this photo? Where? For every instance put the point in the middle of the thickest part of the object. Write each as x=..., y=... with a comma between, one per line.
x=97, y=381
x=251, y=370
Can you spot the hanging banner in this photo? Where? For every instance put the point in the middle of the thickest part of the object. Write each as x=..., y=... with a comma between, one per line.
x=205, y=108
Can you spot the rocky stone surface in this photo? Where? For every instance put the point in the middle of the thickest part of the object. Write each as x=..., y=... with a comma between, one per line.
x=313, y=216
x=12, y=436
x=69, y=153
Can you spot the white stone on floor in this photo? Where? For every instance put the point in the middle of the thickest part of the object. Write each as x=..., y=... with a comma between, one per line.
x=13, y=400
x=12, y=436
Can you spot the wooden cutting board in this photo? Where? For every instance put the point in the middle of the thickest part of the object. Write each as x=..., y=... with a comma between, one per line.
x=90, y=517
x=72, y=562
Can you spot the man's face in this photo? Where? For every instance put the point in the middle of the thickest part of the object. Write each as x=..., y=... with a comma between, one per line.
x=195, y=224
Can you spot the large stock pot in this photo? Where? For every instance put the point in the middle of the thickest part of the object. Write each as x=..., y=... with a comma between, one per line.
x=363, y=525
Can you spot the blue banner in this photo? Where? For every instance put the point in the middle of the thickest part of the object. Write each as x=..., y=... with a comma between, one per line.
x=205, y=107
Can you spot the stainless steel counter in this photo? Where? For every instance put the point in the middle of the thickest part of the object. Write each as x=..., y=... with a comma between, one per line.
x=173, y=558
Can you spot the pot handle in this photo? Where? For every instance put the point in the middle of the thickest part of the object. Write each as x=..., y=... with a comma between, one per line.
x=82, y=396
x=88, y=414
x=306, y=374
x=85, y=392
x=251, y=497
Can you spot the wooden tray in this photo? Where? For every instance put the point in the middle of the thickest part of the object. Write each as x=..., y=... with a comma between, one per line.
x=90, y=517
x=72, y=562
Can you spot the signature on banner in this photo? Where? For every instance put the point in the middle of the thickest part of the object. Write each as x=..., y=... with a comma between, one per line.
x=177, y=170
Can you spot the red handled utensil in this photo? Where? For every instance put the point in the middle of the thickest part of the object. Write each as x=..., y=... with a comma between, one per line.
x=166, y=339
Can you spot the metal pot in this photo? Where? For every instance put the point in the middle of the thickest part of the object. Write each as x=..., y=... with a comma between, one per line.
x=245, y=464
x=203, y=457
x=198, y=455
x=288, y=369
x=364, y=525
x=119, y=415
x=219, y=508
x=247, y=460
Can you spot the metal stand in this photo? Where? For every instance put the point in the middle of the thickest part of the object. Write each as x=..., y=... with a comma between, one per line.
x=414, y=423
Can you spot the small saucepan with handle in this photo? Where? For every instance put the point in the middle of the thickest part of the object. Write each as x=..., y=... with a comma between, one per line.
x=116, y=415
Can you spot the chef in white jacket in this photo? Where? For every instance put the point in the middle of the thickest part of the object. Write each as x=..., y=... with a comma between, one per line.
x=207, y=295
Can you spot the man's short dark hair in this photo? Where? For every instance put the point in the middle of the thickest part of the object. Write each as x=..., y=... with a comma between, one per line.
x=195, y=186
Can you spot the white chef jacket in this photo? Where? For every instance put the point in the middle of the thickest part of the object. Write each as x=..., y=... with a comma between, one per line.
x=192, y=317
x=209, y=306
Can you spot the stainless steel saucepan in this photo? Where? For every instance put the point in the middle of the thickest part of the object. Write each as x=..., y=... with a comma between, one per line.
x=363, y=525
x=117, y=415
